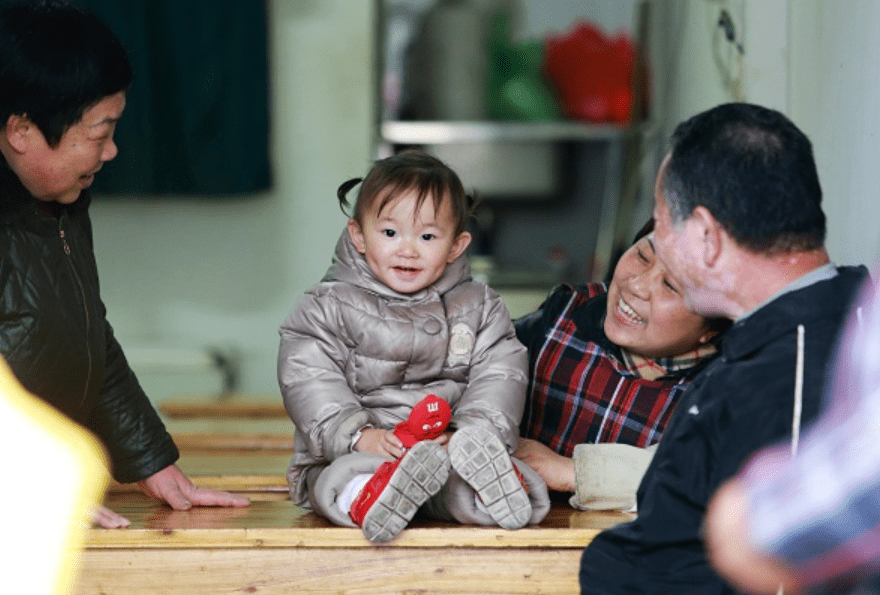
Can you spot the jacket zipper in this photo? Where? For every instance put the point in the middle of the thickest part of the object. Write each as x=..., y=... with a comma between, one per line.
x=82, y=292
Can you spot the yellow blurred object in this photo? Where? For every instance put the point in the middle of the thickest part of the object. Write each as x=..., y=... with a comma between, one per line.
x=53, y=472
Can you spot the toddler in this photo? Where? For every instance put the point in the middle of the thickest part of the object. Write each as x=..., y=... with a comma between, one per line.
x=397, y=318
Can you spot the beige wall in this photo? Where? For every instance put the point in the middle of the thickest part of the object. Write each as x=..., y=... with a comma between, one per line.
x=190, y=273
x=834, y=57
x=195, y=273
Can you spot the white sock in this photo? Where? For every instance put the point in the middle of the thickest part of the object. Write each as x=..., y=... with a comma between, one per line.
x=478, y=502
x=351, y=491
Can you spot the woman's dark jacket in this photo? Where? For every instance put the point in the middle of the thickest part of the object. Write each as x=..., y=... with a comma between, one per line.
x=55, y=336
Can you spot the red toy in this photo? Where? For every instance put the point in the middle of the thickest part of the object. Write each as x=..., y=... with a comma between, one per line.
x=427, y=420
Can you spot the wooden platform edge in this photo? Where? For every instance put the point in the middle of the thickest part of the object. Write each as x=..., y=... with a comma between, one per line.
x=339, y=537
x=267, y=524
x=227, y=483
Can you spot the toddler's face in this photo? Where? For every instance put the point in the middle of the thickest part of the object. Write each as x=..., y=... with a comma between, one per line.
x=405, y=249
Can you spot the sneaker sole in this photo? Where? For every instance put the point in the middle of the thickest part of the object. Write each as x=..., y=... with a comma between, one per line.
x=420, y=475
x=479, y=457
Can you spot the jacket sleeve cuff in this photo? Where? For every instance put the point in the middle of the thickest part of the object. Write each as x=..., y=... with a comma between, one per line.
x=607, y=476
x=147, y=464
x=338, y=440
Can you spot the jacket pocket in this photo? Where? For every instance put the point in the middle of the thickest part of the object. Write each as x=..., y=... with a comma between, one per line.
x=366, y=373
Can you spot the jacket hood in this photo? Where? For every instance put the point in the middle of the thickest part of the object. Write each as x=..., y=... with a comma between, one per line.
x=350, y=266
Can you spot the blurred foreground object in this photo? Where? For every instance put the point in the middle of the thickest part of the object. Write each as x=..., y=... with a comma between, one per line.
x=62, y=470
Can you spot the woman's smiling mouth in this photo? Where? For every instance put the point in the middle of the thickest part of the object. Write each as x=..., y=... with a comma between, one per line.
x=626, y=313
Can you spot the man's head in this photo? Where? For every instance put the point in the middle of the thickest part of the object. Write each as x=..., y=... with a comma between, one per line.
x=63, y=76
x=739, y=175
x=753, y=170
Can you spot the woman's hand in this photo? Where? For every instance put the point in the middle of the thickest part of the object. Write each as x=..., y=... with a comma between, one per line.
x=380, y=442
x=172, y=486
x=556, y=470
x=106, y=518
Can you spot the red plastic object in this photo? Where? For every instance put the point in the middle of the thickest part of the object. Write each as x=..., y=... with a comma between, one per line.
x=592, y=73
x=371, y=491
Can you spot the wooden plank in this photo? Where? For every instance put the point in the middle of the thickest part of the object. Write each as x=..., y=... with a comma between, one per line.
x=275, y=547
x=209, y=463
x=255, y=487
x=271, y=571
x=231, y=434
x=257, y=474
x=212, y=406
x=230, y=426
x=278, y=523
x=233, y=442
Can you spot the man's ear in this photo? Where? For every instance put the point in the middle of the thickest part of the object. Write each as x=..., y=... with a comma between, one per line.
x=18, y=132
x=709, y=233
x=459, y=246
x=357, y=236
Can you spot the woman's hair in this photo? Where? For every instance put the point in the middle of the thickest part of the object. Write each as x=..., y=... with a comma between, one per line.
x=410, y=170
x=57, y=61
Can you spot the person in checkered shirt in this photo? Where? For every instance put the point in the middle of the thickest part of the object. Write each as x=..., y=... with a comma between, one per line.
x=607, y=365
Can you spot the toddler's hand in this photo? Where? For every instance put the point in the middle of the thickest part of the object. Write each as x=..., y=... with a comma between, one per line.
x=443, y=439
x=380, y=442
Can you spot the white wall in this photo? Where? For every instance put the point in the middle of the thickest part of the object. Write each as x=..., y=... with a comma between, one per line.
x=190, y=273
x=834, y=56
x=685, y=78
x=814, y=60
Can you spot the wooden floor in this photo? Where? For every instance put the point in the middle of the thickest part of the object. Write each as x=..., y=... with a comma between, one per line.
x=274, y=547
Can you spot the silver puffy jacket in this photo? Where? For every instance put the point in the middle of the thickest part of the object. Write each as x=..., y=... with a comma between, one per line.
x=354, y=353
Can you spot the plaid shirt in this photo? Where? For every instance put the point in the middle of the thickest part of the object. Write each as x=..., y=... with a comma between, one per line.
x=580, y=388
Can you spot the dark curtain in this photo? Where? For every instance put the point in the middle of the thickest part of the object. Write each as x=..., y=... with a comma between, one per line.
x=197, y=115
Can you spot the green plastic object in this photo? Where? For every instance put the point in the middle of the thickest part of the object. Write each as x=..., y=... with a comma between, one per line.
x=518, y=87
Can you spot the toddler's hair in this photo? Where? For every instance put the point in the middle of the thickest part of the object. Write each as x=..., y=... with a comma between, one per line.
x=409, y=170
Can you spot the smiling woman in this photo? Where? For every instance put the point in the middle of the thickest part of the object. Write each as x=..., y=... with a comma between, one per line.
x=64, y=79
x=646, y=313
x=60, y=172
x=607, y=366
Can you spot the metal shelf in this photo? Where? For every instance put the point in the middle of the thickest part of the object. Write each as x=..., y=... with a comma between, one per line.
x=443, y=132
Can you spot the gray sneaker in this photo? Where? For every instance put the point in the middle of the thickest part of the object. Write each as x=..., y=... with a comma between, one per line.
x=399, y=489
x=479, y=457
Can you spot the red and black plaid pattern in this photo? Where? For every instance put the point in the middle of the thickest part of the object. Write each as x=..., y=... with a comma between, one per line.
x=580, y=393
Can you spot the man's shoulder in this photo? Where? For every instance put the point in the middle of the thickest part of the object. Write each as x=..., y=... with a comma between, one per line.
x=821, y=309
x=829, y=298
